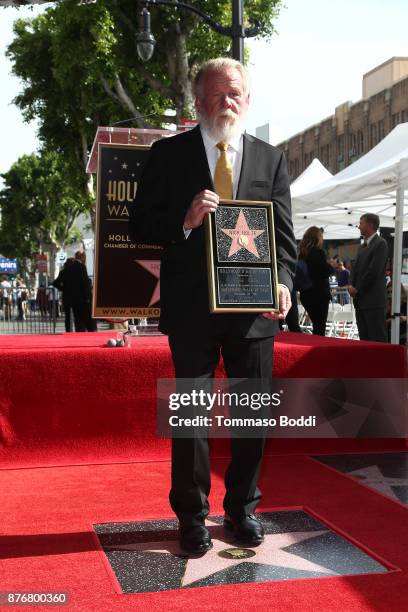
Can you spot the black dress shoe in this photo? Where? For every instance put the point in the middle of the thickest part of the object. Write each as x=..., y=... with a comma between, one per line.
x=195, y=539
x=248, y=530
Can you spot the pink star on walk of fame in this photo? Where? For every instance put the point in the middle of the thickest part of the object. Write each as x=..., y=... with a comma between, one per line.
x=373, y=477
x=270, y=552
x=242, y=236
x=153, y=267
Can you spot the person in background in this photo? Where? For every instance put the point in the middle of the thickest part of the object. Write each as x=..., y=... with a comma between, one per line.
x=75, y=285
x=42, y=300
x=343, y=280
x=22, y=296
x=367, y=281
x=90, y=323
x=315, y=295
x=292, y=318
x=6, y=296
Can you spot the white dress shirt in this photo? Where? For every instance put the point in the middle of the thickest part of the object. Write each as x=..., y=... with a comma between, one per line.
x=368, y=240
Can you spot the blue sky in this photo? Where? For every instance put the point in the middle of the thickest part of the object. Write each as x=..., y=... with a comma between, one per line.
x=314, y=63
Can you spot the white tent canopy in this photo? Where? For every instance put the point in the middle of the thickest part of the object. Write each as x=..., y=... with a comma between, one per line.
x=379, y=172
x=378, y=179
x=314, y=175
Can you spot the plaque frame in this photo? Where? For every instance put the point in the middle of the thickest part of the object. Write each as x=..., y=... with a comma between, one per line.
x=213, y=264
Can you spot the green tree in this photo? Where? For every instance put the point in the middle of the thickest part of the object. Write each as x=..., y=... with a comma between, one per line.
x=38, y=207
x=80, y=63
x=80, y=69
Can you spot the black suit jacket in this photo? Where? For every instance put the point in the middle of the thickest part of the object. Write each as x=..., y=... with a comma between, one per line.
x=368, y=274
x=74, y=282
x=177, y=169
x=319, y=271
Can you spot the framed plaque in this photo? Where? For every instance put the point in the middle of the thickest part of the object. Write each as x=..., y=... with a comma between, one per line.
x=241, y=257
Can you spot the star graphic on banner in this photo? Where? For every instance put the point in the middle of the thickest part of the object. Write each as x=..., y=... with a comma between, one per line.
x=152, y=266
x=110, y=171
x=115, y=158
x=373, y=477
x=124, y=166
x=242, y=236
x=270, y=552
x=133, y=174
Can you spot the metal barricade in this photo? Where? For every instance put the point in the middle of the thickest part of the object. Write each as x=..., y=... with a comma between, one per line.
x=22, y=314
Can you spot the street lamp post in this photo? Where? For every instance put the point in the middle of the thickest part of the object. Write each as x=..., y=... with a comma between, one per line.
x=238, y=30
x=145, y=40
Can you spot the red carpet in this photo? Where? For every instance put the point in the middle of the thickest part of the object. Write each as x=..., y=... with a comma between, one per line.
x=68, y=399
x=47, y=543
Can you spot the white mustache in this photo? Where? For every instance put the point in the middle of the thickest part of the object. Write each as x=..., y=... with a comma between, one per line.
x=227, y=114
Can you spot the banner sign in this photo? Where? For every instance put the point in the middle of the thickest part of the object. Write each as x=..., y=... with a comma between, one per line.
x=126, y=276
x=41, y=263
x=8, y=266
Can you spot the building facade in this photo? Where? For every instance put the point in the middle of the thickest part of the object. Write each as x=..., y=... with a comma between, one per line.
x=356, y=128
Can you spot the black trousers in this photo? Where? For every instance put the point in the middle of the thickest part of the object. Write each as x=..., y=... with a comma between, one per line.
x=317, y=308
x=190, y=473
x=292, y=318
x=82, y=316
x=371, y=324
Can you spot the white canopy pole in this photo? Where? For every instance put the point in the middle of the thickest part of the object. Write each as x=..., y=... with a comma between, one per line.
x=396, y=267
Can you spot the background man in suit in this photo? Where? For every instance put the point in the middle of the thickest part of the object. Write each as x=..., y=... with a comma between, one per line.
x=367, y=281
x=74, y=282
x=176, y=192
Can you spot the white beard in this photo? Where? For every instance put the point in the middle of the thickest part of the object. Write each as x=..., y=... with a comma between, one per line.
x=222, y=128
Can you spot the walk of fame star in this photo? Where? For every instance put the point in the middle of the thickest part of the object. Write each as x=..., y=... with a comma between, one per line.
x=373, y=477
x=270, y=553
x=243, y=237
x=152, y=266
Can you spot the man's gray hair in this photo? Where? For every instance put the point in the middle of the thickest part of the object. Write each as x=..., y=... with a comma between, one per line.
x=372, y=218
x=219, y=64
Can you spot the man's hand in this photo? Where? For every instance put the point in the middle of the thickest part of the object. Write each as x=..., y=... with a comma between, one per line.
x=203, y=203
x=352, y=291
x=285, y=304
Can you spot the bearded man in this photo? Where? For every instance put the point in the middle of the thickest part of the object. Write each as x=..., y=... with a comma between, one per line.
x=177, y=190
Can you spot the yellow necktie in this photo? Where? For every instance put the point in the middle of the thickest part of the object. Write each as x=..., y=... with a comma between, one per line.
x=223, y=173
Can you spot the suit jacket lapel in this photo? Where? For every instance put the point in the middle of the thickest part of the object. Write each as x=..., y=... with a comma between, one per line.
x=362, y=256
x=196, y=160
x=247, y=167
x=373, y=241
